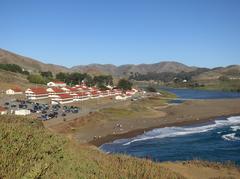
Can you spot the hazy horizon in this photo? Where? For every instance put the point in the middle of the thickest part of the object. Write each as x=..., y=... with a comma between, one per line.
x=69, y=33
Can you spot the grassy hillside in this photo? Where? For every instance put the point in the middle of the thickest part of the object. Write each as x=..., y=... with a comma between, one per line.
x=10, y=79
x=30, y=64
x=29, y=151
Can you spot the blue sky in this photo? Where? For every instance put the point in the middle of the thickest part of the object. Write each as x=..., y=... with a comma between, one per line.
x=73, y=32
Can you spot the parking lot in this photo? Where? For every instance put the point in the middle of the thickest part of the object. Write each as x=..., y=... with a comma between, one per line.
x=43, y=111
x=54, y=114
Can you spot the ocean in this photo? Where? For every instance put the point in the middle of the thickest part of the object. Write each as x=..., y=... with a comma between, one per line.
x=218, y=140
x=213, y=141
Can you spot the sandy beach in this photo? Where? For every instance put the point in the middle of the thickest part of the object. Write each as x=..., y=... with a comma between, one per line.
x=114, y=123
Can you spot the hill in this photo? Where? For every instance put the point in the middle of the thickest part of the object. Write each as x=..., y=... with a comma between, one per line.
x=232, y=71
x=33, y=65
x=10, y=80
x=96, y=69
x=30, y=151
x=29, y=64
x=126, y=70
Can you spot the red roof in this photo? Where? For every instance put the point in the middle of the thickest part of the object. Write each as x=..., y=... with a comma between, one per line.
x=73, y=89
x=94, y=92
x=2, y=109
x=17, y=89
x=57, y=90
x=39, y=90
x=84, y=87
x=82, y=94
x=104, y=91
x=64, y=96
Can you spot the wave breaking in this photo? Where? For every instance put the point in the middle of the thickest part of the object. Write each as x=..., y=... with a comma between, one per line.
x=187, y=130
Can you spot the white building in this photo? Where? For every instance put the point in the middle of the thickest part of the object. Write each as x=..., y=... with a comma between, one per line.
x=95, y=94
x=36, y=93
x=62, y=99
x=22, y=112
x=14, y=91
x=130, y=92
x=55, y=91
x=81, y=96
x=56, y=84
x=119, y=97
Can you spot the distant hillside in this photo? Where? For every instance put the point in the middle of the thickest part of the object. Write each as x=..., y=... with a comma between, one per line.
x=126, y=70
x=95, y=69
x=232, y=71
x=28, y=63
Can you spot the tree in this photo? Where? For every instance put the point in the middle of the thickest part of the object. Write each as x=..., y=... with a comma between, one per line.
x=103, y=80
x=102, y=87
x=47, y=74
x=88, y=80
x=35, y=78
x=26, y=73
x=151, y=89
x=62, y=76
x=11, y=67
x=124, y=84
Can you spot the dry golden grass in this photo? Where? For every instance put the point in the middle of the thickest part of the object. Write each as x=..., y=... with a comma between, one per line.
x=29, y=151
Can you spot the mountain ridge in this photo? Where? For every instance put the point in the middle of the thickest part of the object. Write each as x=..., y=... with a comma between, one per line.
x=125, y=70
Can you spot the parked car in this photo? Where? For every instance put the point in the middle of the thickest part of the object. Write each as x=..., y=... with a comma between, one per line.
x=74, y=110
x=45, y=117
x=29, y=102
x=32, y=111
x=67, y=111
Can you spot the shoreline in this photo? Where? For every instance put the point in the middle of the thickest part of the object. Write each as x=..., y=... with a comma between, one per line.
x=133, y=133
x=128, y=121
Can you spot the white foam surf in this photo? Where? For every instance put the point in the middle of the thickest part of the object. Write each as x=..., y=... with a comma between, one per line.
x=230, y=137
x=235, y=128
x=181, y=131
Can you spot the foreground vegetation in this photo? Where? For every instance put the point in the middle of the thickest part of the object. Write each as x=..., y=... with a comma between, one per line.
x=29, y=151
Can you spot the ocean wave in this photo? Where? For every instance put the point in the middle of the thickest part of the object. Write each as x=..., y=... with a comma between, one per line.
x=181, y=131
x=230, y=137
x=235, y=128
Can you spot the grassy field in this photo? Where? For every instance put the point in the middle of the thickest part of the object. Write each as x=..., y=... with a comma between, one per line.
x=144, y=107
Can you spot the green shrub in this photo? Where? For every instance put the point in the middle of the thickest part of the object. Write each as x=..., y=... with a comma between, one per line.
x=124, y=84
x=35, y=78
